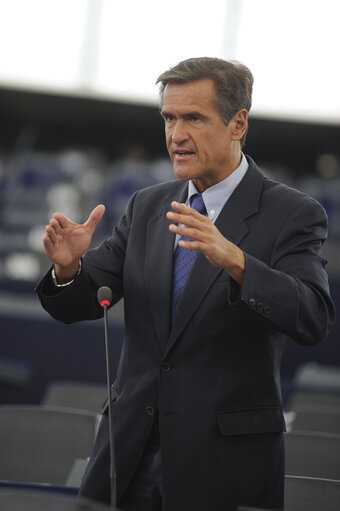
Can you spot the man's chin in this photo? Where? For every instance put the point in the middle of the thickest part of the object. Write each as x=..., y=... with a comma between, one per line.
x=183, y=173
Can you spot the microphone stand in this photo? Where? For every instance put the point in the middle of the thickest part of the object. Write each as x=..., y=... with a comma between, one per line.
x=104, y=297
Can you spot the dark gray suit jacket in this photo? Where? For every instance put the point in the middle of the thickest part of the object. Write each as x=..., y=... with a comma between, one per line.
x=212, y=380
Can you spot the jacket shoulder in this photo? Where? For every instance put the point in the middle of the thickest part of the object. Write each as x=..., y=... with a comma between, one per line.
x=277, y=195
x=278, y=192
x=280, y=195
x=162, y=189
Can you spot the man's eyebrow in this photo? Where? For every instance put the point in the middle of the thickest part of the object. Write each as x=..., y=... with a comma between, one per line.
x=187, y=115
x=195, y=113
x=164, y=112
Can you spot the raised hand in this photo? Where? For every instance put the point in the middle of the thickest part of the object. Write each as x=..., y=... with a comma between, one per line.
x=66, y=241
x=206, y=239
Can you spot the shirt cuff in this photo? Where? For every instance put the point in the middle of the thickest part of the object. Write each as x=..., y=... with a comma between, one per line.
x=54, y=278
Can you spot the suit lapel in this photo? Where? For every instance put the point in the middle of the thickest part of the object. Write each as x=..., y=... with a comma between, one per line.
x=232, y=224
x=158, y=266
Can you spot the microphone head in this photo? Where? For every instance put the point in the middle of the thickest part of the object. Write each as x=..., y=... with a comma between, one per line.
x=104, y=296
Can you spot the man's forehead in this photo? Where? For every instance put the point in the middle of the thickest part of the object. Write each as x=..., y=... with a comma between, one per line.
x=191, y=94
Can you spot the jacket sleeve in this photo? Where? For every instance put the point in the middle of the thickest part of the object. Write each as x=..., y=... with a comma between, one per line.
x=292, y=292
x=101, y=266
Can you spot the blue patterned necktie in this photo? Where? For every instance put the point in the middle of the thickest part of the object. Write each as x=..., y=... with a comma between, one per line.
x=184, y=260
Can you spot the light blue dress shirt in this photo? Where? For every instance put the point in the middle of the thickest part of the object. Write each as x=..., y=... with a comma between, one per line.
x=217, y=195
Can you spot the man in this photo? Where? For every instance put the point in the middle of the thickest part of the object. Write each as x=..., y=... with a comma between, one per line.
x=196, y=403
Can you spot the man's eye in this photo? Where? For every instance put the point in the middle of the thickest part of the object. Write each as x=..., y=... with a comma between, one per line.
x=168, y=118
x=195, y=118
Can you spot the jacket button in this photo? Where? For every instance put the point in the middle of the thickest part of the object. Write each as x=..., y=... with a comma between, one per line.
x=259, y=306
x=252, y=301
x=150, y=410
x=267, y=309
x=165, y=367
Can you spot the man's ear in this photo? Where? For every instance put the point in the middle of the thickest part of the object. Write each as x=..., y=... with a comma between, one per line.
x=240, y=123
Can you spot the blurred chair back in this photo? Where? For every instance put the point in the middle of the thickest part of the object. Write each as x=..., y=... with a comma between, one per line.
x=32, y=500
x=308, y=494
x=84, y=396
x=323, y=419
x=317, y=400
x=41, y=444
x=311, y=454
x=311, y=494
x=246, y=508
x=317, y=378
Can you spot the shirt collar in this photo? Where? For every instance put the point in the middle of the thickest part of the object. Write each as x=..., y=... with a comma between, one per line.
x=217, y=195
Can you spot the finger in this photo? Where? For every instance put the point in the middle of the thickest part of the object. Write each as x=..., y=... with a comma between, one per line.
x=95, y=216
x=186, y=231
x=56, y=225
x=183, y=212
x=191, y=245
x=190, y=220
x=51, y=234
x=48, y=245
x=180, y=207
x=62, y=220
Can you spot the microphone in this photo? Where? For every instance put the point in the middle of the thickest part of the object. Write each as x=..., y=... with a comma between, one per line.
x=104, y=296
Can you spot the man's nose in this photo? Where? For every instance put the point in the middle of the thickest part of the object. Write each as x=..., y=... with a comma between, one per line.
x=179, y=132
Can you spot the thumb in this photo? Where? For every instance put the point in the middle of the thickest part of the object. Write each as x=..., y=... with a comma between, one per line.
x=95, y=216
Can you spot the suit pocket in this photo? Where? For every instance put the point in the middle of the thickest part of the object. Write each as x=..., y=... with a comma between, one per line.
x=251, y=421
x=105, y=405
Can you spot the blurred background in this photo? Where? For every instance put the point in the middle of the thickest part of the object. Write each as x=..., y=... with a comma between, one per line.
x=79, y=125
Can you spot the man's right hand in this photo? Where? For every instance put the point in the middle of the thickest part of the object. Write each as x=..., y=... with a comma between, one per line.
x=65, y=242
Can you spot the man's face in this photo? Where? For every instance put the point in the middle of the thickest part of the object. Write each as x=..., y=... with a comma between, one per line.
x=201, y=146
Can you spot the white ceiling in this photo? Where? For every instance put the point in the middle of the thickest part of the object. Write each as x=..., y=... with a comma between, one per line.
x=117, y=49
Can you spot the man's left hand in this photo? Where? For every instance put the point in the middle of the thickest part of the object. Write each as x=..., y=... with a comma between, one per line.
x=206, y=239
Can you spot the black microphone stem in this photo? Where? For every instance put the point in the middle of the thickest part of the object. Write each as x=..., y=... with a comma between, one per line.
x=111, y=437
